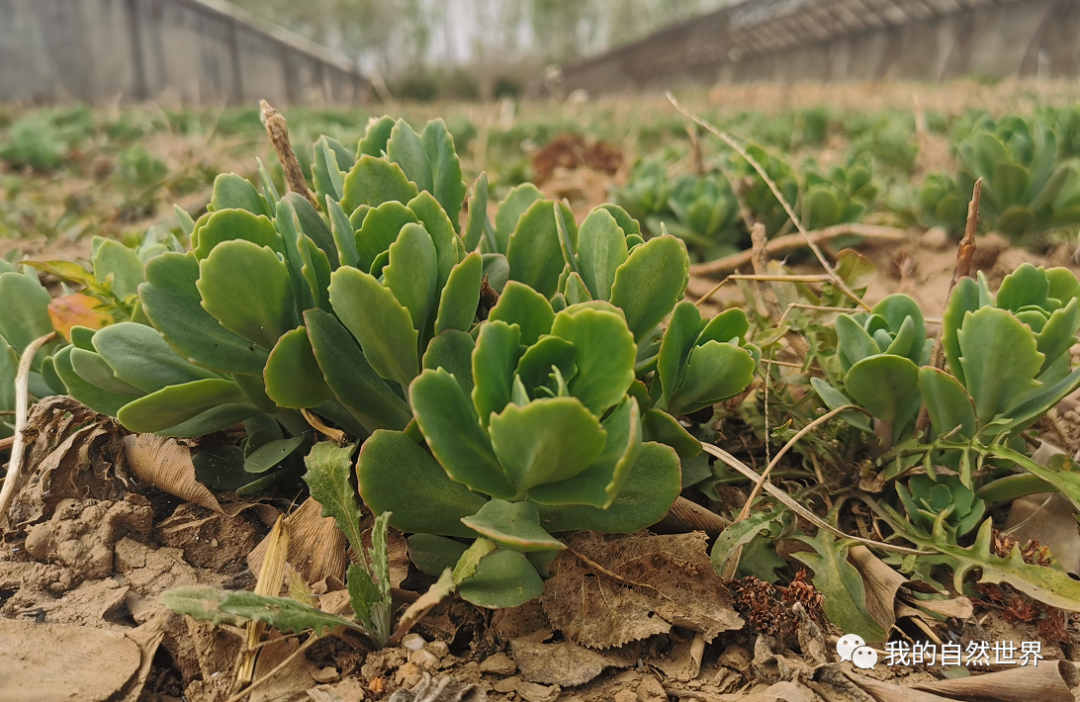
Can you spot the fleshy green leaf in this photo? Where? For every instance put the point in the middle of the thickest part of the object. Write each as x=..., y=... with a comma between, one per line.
x=92, y=368
x=454, y=436
x=171, y=299
x=679, y=340
x=512, y=525
x=1000, y=360
x=653, y=483
x=546, y=441
x=510, y=210
x=229, y=225
x=853, y=341
x=716, y=371
x=293, y=377
x=314, y=227
x=26, y=310
x=888, y=386
x=354, y=382
x=139, y=356
x=380, y=229
x=651, y=281
x=478, y=219
x=232, y=191
x=343, y=233
x=599, y=484
x=446, y=182
x=534, y=251
x=442, y=232
x=404, y=149
x=601, y=250
x=376, y=137
x=946, y=402
x=397, y=476
x=177, y=403
x=373, y=181
x=111, y=258
x=379, y=322
x=461, y=295
x=412, y=274
x=271, y=453
x=247, y=288
x=451, y=349
x=494, y=361
x=605, y=355
x=521, y=305
x=503, y=579
x=92, y=396
x=433, y=554
x=964, y=298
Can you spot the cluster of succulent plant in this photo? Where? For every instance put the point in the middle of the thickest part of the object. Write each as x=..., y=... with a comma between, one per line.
x=498, y=383
x=1006, y=362
x=505, y=382
x=1027, y=188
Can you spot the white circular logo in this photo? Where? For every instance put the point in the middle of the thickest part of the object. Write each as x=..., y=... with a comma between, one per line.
x=864, y=658
x=847, y=645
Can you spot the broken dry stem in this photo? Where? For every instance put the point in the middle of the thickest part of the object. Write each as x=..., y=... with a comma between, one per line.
x=22, y=407
x=277, y=128
x=798, y=509
x=792, y=242
x=965, y=251
x=745, y=512
x=834, y=278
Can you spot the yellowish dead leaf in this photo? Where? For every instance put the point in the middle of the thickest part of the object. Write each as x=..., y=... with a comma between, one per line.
x=77, y=310
x=167, y=465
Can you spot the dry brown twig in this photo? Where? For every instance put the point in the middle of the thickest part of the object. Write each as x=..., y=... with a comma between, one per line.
x=723, y=136
x=277, y=128
x=22, y=409
x=785, y=244
x=965, y=251
x=798, y=509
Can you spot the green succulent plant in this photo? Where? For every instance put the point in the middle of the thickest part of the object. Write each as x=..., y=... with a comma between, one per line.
x=538, y=434
x=879, y=354
x=926, y=499
x=1025, y=189
x=839, y=195
x=1008, y=354
x=940, y=203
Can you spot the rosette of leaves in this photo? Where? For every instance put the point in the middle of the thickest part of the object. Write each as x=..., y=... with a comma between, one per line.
x=705, y=214
x=927, y=498
x=1008, y=355
x=536, y=435
x=646, y=192
x=267, y=297
x=702, y=361
x=879, y=354
x=1025, y=190
x=839, y=195
x=940, y=203
x=605, y=259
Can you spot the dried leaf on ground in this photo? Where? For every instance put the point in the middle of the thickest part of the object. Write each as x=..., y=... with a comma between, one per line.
x=165, y=464
x=291, y=681
x=1048, y=682
x=609, y=590
x=565, y=663
x=70, y=452
x=317, y=547
x=58, y=662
